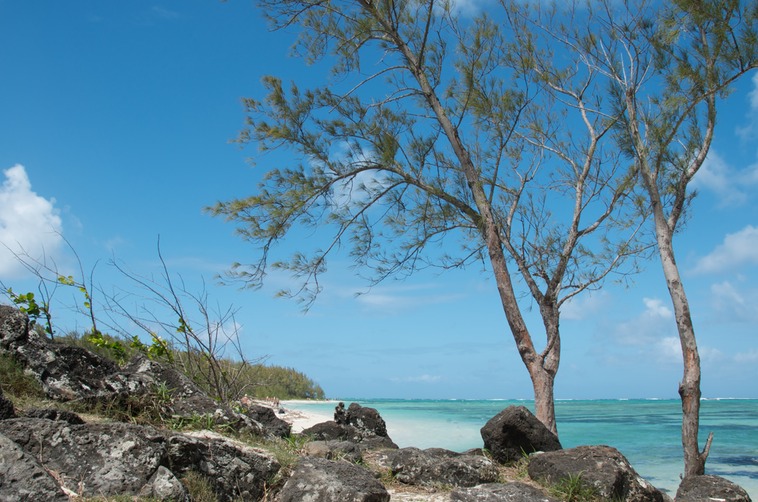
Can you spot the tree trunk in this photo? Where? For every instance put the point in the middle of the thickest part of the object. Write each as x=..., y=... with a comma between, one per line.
x=543, y=382
x=689, y=387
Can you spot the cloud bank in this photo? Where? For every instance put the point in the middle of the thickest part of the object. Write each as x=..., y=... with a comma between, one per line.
x=738, y=250
x=29, y=223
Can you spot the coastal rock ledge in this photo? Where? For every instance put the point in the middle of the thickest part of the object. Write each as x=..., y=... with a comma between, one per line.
x=56, y=452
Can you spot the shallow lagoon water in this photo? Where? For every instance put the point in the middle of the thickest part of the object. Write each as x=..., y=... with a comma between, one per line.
x=646, y=431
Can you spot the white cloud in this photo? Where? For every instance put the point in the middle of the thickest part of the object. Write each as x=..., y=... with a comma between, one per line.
x=726, y=182
x=654, y=308
x=669, y=349
x=353, y=192
x=356, y=191
x=417, y=379
x=584, y=306
x=737, y=250
x=731, y=304
x=749, y=357
x=648, y=328
x=29, y=223
x=750, y=130
x=403, y=298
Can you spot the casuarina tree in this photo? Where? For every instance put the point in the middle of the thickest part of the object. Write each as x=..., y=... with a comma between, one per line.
x=666, y=67
x=435, y=141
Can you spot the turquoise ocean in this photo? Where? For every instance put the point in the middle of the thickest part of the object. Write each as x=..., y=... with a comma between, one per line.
x=646, y=431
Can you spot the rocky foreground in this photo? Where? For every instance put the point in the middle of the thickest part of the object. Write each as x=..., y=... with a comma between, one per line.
x=55, y=454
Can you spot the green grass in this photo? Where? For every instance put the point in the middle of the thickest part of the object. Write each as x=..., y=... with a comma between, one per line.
x=573, y=489
x=15, y=382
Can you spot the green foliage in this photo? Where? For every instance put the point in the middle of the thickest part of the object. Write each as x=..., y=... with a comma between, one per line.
x=27, y=304
x=158, y=348
x=281, y=382
x=121, y=350
x=253, y=380
x=573, y=489
x=114, y=348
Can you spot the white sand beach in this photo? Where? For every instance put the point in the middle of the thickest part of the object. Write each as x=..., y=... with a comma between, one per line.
x=300, y=419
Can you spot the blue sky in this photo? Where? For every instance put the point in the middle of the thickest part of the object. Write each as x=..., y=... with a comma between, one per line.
x=115, y=128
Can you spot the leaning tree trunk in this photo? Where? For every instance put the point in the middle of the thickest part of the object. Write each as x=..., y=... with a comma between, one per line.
x=689, y=387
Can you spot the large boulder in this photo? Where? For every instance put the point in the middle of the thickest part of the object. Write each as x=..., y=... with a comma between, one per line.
x=235, y=470
x=332, y=431
x=496, y=492
x=110, y=459
x=99, y=459
x=14, y=328
x=709, y=488
x=515, y=432
x=320, y=480
x=602, y=469
x=437, y=467
x=22, y=478
x=271, y=424
x=65, y=372
x=365, y=419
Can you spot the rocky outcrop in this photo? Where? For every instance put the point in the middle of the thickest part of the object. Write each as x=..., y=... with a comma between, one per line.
x=185, y=399
x=22, y=478
x=66, y=373
x=69, y=374
x=52, y=454
x=496, y=492
x=362, y=418
x=515, y=432
x=602, y=469
x=110, y=459
x=710, y=488
x=321, y=480
x=437, y=466
x=272, y=425
x=358, y=424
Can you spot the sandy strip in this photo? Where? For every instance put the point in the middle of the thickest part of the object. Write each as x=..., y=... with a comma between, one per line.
x=298, y=418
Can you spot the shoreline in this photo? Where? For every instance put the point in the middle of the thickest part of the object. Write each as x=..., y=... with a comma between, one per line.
x=655, y=453
x=301, y=419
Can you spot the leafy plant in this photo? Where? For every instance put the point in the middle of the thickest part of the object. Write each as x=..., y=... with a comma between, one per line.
x=27, y=303
x=158, y=349
x=114, y=347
